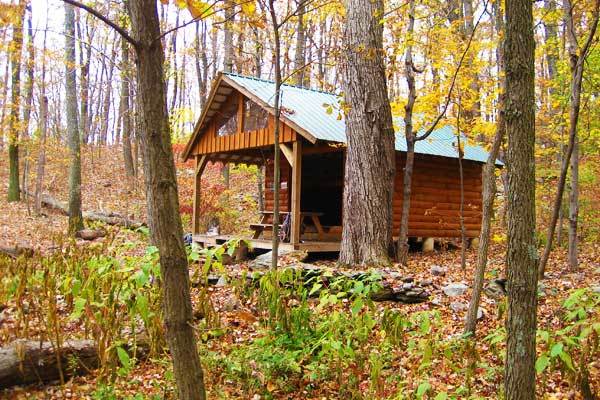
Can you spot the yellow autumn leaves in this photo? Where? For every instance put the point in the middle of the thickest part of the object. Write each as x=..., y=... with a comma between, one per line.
x=200, y=9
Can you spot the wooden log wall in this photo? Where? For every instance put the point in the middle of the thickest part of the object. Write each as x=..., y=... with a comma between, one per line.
x=285, y=185
x=435, y=197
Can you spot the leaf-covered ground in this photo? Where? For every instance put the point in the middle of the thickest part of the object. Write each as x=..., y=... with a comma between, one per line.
x=229, y=344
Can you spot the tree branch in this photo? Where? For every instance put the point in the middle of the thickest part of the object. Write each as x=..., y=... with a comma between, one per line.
x=458, y=68
x=104, y=19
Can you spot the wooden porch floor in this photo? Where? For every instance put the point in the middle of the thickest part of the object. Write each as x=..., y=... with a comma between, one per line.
x=310, y=246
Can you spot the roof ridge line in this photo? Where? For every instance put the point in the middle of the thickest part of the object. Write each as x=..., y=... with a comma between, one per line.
x=283, y=84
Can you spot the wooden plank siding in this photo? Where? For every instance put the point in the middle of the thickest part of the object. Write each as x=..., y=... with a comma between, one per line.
x=209, y=142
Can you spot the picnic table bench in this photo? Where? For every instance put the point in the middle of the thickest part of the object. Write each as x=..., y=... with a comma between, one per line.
x=266, y=222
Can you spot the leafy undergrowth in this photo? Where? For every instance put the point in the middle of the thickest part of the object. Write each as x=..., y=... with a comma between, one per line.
x=280, y=337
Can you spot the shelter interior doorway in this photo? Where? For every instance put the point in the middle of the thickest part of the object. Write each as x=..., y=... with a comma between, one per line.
x=323, y=185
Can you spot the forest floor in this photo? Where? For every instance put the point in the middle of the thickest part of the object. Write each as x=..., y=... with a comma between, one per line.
x=359, y=356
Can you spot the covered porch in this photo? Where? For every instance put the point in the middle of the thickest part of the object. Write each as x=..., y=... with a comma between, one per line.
x=311, y=189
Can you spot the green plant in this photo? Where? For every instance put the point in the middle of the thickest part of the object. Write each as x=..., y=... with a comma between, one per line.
x=571, y=349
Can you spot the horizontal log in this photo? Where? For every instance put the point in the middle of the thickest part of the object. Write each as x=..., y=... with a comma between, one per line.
x=30, y=361
x=472, y=186
x=107, y=218
x=441, y=176
x=434, y=212
x=431, y=204
x=437, y=233
x=17, y=251
x=441, y=197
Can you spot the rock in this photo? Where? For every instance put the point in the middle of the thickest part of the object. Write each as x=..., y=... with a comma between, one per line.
x=596, y=289
x=231, y=303
x=455, y=289
x=264, y=260
x=90, y=234
x=541, y=289
x=426, y=282
x=480, y=313
x=408, y=285
x=495, y=289
x=408, y=279
x=395, y=275
x=458, y=306
x=437, y=301
x=437, y=270
x=222, y=281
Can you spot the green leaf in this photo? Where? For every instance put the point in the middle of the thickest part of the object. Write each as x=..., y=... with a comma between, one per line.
x=556, y=349
x=315, y=288
x=359, y=287
x=422, y=389
x=123, y=357
x=141, y=304
x=542, y=362
x=78, y=305
x=357, y=305
x=441, y=396
x=567, y=360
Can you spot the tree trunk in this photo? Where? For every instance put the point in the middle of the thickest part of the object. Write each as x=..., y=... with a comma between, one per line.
x=75, y=217
x=489, y=188
x=228, y=62
x=402, y=246
x=577, y=61
x=463, y=233
x=125, y=114
x=27, y=107
x=370, y=155
x=162, y=199
x=574, y=206
x=107, y=95
x=300, y=55
x=84, y=61
x=29, y=72
x=16, y=47
x=41, y=162
x=228, y=36
x=200, y=61
x=474, y=111
x=522, y=255
x=551, y=43
x=276, y=155
x=489, y=193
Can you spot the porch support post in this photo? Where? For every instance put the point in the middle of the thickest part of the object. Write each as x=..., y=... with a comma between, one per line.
x=296, y=190
x=200, y=165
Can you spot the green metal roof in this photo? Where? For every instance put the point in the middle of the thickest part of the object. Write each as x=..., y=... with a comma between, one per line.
x=318, y=113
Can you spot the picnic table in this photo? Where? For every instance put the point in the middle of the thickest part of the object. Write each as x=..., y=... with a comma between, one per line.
x=266, y=222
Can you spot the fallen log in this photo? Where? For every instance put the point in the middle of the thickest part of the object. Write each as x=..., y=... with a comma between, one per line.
x=108, y=218
x=17, y=251
x=28, y=361
x=25, y=362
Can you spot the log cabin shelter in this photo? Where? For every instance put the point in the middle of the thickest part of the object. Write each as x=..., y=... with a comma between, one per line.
x=237, y=126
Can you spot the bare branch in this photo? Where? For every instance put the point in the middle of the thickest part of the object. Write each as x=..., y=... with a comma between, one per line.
x=104, y=19
x=458, y=68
